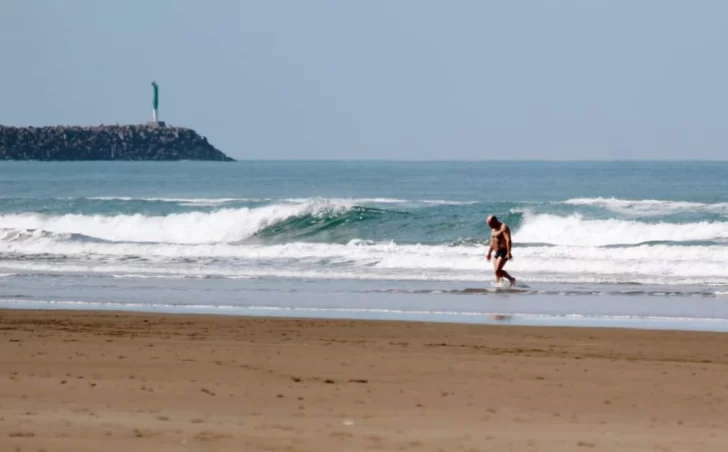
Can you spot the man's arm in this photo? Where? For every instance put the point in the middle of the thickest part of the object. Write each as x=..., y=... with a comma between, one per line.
x=491, y=247
x=507, y=237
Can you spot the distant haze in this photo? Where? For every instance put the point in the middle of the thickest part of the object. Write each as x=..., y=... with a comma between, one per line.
x=403, y=80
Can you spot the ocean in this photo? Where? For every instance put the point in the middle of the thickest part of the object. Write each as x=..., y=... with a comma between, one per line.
x=640, y=244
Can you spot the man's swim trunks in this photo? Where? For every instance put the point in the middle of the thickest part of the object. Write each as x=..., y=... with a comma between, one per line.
x=502, y=253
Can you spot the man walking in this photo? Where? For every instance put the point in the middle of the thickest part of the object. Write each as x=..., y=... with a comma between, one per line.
x=500, y=242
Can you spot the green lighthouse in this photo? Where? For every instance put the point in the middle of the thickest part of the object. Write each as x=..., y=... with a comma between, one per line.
x=155, y=103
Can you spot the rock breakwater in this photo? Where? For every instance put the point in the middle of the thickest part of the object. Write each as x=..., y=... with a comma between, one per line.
x=116, y=142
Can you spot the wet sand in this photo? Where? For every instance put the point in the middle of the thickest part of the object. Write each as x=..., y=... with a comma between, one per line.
x=100, y=381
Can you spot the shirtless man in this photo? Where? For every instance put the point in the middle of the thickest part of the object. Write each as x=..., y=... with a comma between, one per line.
x=500, y=242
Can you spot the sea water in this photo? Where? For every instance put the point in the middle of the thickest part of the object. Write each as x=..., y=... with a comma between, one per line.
x=601, y=243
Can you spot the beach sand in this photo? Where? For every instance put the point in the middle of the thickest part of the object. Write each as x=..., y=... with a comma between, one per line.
x=104, y=381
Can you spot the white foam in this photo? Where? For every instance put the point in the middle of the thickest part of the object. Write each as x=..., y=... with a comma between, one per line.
x=648, y=207
x=350, y=200
x=225, y=225
x=575, y=230
x=663, y=264
x=191, y=202
x=207, y=244
x=182, y=201
x=444, y=202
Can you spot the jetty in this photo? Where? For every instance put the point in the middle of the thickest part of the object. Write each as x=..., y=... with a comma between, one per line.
x=151, y=141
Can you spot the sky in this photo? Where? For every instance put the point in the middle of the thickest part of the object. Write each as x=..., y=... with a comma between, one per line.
x=382, y=79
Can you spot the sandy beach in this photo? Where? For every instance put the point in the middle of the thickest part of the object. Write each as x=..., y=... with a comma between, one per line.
x=101, y=381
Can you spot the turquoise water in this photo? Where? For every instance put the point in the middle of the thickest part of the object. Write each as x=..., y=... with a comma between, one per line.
x=371, y=239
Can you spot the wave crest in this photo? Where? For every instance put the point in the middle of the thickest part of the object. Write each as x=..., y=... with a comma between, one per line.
x=575, y=230
x=221, y=226
x=648, y=207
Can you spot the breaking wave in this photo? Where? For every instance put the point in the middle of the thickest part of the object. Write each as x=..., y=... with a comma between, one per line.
x=221, y=226
x=341, y=221
x=576, y=230
x=374, y=238
x=647, y=207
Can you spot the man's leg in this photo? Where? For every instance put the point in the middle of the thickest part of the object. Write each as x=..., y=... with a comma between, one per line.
x=500, y=273
x=496, y=269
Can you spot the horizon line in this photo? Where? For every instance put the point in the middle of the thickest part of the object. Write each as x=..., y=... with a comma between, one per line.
x=677, y=160
x=243, y=160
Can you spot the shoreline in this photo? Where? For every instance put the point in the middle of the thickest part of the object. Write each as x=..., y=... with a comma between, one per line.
x=485, y=318
x=100, y=380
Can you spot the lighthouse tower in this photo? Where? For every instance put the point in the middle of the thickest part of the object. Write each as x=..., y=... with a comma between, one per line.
x=155, y=103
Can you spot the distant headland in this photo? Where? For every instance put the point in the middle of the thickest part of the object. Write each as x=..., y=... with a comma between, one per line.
x=151, y=141
x=154, y=141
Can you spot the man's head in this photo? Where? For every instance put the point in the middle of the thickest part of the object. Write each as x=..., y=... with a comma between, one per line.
x=493, y=222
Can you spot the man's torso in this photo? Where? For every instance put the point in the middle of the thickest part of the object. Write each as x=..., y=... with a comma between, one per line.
x=497, y=238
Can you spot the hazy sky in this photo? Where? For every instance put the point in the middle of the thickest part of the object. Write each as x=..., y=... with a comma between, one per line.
x=382, y=79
